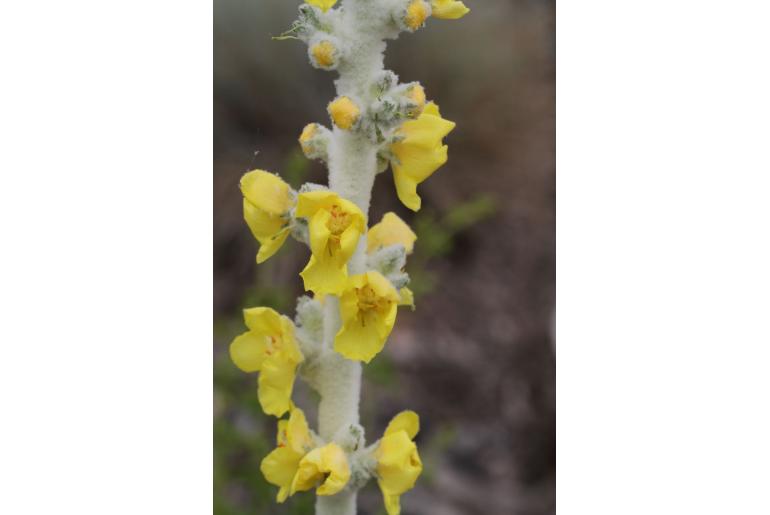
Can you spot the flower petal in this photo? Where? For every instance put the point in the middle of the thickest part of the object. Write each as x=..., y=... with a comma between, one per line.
x=311, y=201
x=298, y=433
x=391, y=230
x=448, y=9
x=407, y=421
x=248, y=351
x=279, y=468
x=319, y=232
x=360, y=339
x=261, y=224
x=269, y=246
x=398, y=463
x=328, y=464
x=276, y=381
x=406, y=189
x=263, y=320
x=324, y=276
x=381, y=286
x=266, y=191
x=392, y=502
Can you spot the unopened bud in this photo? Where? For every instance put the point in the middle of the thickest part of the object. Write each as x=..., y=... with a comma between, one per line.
x=324, y=54
x=416, y=13
x=344, y=112
x=314, y=141
x=416, y=97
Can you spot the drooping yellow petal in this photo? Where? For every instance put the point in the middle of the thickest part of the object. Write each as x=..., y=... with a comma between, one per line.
x=289, y=346
x=419, y=153
x=298, y=433
x=406, y=189
x=398, y=463
x=392, y=503
x=276, y=382
x=319, y=232
x=266, y=191
x=448, y=9
x=407, y=421
x=391, y=230
x=279, y=468
x=266, y=202
x=326, y=467
x=324, y=5
x=261, y=223
x=360, y=340
x=348, y=242
x=270, y=246
x=368, y=308
x=324, y=276
x=248, y=351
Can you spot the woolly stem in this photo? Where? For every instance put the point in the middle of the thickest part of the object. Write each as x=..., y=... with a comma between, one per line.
x=352, y=168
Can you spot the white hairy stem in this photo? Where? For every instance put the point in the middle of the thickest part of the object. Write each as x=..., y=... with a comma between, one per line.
x=352, y=168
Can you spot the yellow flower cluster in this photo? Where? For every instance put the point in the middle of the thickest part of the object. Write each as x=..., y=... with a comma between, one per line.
x=297, y=464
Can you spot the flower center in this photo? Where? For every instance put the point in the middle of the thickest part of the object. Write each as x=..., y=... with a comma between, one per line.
x=369, y=301
x=339, y=221
x=273, y=345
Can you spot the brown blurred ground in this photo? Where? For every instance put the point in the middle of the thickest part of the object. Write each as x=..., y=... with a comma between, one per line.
x=476, y=359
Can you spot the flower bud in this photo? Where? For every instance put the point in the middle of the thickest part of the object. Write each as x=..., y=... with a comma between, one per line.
x=416, y=97
x=324, y=54
x=314, y=141
x=344, y=112
x=416, y=13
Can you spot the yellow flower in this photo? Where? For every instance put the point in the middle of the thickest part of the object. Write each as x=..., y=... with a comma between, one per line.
x=324, y=5
x=419, y=153
x=390, y=231
x=335, y=225
x=344, y=112
x=326, y=467
x=416, y=14
x=294, y=442
x=266, y=203
x=323, y=53
x=268, y=347
x=449, y=9
x=368, y=310
x=398, y=462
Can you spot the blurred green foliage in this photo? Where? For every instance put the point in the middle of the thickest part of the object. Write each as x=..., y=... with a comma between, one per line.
x=437, y=236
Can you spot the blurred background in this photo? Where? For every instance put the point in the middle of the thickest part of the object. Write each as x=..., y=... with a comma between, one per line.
x=476, y=360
